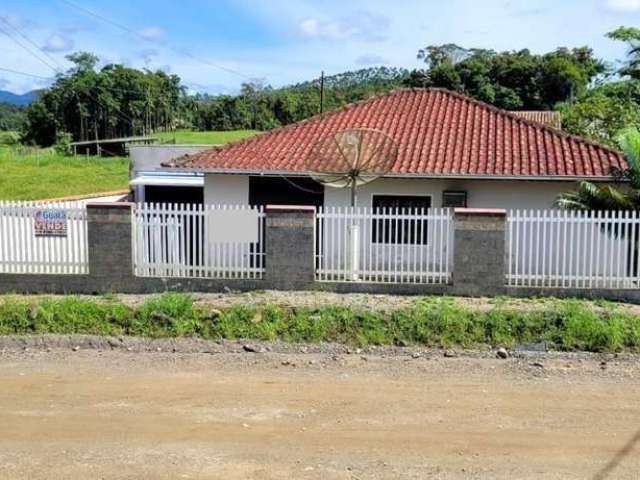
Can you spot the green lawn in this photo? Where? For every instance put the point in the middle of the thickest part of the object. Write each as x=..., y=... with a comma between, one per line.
x=204, y=138
x=40, y=174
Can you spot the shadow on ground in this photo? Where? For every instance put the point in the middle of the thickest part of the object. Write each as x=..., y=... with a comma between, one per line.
x=618, y=458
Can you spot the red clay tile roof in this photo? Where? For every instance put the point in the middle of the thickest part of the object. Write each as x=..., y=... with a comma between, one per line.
x=439, y=133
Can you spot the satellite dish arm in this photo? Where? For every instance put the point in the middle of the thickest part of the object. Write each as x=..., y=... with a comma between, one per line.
x=353, y=191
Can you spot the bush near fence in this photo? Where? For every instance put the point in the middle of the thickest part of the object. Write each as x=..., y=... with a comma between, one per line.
x=434, y=322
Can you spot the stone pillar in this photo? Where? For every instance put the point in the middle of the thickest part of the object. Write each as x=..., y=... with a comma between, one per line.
x=110, y=231
x=479, y=251
x=289, y=242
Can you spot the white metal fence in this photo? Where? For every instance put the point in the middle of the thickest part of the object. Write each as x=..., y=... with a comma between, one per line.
x=199, y=241
x=21, y=251
x=558, y=248
x=386, y=245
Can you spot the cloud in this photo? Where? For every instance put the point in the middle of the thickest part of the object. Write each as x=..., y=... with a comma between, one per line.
x=153, y=34
x=371, y=59
x=58, y=43
x=4, y=83
x=147, y=55
x=365, y=26
x=623, y=5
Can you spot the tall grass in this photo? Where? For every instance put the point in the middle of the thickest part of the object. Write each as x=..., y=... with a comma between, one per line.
x=565, y=324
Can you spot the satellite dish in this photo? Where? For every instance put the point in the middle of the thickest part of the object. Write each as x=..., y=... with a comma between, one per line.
x=350, y=158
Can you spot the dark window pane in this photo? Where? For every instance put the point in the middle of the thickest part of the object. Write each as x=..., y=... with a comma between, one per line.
x=396, y=230
x=454, y=199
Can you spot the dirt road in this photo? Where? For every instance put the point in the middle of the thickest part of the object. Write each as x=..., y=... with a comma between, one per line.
x=122, y=415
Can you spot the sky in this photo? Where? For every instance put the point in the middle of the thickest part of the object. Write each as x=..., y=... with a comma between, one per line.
x=215, y=45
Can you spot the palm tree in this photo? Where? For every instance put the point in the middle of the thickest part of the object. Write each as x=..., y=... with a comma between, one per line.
x=624, y=195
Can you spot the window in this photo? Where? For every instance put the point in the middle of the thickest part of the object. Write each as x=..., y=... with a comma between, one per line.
x=454, y=199
x=405, y=231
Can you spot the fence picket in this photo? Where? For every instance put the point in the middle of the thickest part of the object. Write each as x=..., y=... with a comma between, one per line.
x=175, y=241
x=552, y=248
x=22, y=252
x=394, y=245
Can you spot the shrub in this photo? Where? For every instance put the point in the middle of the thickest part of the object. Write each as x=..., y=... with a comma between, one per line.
x=62, y=146
x=170, y=314
x=15, y=317
x=9, y=138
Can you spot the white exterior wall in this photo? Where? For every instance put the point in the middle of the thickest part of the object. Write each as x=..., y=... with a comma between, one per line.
x=480, y=193
x=507, y=194
x=148, y=158
x=226, y=189
x=510, y=194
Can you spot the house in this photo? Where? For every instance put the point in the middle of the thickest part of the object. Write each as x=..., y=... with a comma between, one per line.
x=453, y=151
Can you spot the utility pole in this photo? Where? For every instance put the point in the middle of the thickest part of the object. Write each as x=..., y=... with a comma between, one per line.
x=321, y=91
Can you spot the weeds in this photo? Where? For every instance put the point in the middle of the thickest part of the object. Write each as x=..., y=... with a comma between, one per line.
x=442, y=321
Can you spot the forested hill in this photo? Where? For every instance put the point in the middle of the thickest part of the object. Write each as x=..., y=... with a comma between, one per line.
x=357, y=78
x=17, y=99
x=260, y=107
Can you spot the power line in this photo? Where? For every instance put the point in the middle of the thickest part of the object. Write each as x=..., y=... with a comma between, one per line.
x=31, y=42
x=93, y=14
x=17, y=72
x=27, y=49
x=91, y=97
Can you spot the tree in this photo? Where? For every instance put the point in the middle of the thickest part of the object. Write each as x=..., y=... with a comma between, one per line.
x=40, y=127
x=447, y=54
x=622, y=196
x=601, y=113
x=114, y=101
x=12, y=117
x=511, y=80
x=631, y=36
x=261, y=107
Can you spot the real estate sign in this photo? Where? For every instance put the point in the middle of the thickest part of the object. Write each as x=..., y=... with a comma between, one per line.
x=50, y=222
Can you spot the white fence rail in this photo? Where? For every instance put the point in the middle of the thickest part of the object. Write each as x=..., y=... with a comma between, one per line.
x=199, y=241
x=21, y=251
x=557, y=248
x=387, y=245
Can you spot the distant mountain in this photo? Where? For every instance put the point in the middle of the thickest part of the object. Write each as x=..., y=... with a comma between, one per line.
x=15, y=99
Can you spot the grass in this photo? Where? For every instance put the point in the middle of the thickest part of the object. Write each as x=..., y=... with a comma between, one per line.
x=569, y=325
x=35, y=174
x=204, y=138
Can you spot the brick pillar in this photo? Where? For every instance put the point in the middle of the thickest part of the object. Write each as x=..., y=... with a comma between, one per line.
x=109, y=231
x=289, y=242
x=479, y=251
